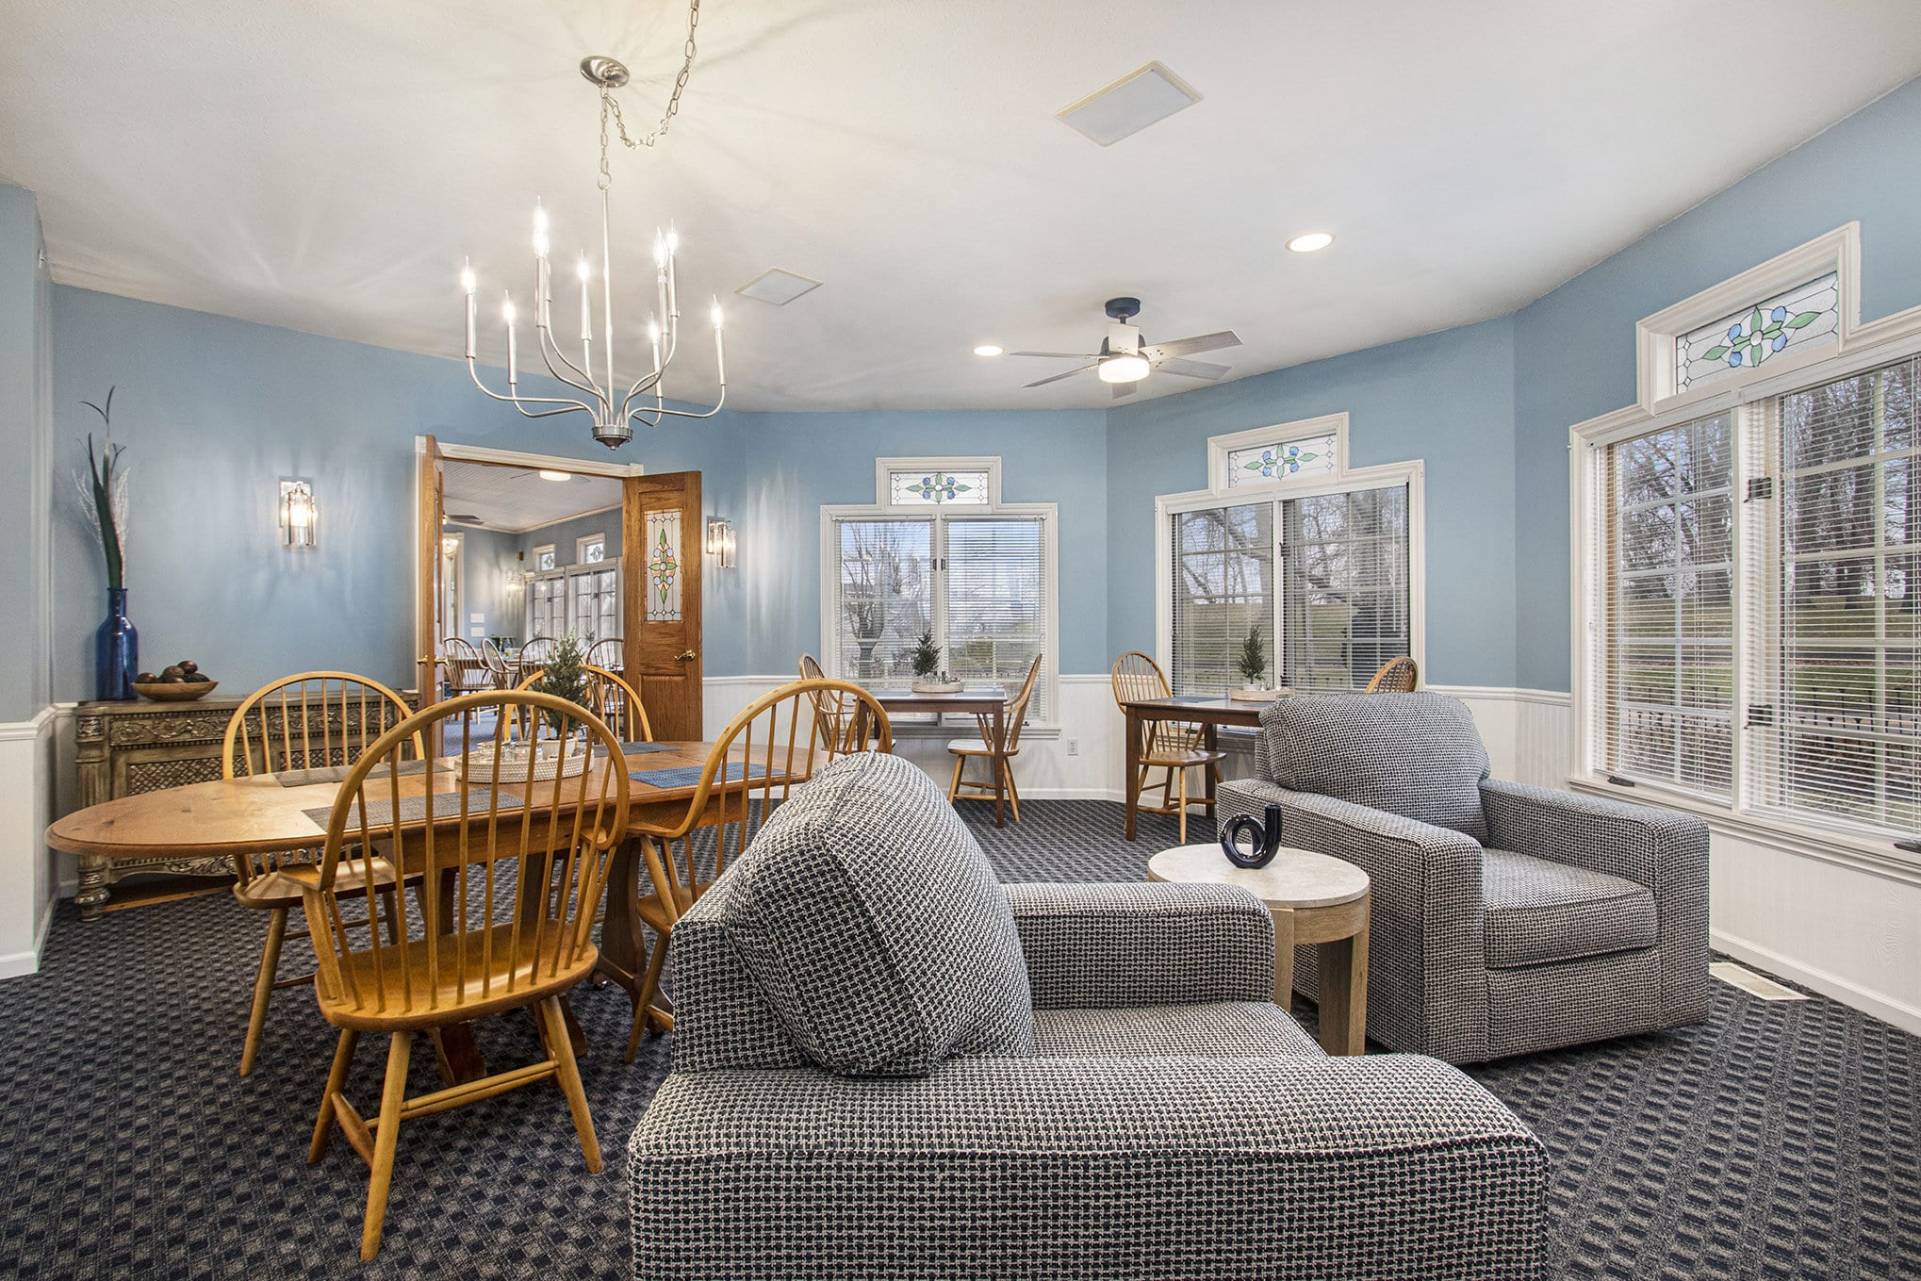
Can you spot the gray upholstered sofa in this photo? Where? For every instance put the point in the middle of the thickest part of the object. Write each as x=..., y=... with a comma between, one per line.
x=886, y=1065
x=1507, y=919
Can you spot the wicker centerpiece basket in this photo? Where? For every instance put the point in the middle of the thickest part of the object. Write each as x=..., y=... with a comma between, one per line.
x=523, y=761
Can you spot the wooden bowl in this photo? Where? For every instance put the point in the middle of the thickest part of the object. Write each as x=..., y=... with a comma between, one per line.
x=174, y=691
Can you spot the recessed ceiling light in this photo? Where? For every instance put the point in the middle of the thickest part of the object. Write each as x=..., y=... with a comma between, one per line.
x=1129, y=105
x=777, y=287
x=988, y=349
x=1310, y=241
x=555, y=475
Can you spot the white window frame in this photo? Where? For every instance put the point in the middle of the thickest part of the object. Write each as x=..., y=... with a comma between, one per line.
x=1858, y=347
x=1219, y=447
x=1839, y=251
x=1412, y=474
x=935, y=514
x=884, y=469
x=580, y=548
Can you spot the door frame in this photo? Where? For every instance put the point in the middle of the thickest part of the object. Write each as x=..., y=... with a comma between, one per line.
x=446, y=452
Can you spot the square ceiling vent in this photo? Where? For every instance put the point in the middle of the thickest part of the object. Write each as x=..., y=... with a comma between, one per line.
x=777, y=287
x=1124, y=108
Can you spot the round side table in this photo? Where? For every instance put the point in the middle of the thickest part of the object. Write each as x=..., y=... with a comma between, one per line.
x=1314, y=899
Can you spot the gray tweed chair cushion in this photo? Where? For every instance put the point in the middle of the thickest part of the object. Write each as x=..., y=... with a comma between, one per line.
x=1356, y=748
x=875, y=928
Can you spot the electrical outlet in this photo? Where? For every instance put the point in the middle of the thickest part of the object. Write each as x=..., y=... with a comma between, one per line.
x=1073, y=747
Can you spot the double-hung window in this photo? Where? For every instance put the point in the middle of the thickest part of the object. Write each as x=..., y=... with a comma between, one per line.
x=939, y=553
x=1317, y=561
x=1749, y=558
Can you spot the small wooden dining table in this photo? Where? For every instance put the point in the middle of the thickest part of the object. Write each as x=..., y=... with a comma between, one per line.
x=261, y=814
x=987, y=704
x=1209, y=713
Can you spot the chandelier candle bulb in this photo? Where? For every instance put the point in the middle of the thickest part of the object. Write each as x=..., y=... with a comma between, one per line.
x=507, y=314
x=467, y=284
x=540, y=231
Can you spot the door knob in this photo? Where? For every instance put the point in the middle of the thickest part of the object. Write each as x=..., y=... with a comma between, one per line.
x=685, y=656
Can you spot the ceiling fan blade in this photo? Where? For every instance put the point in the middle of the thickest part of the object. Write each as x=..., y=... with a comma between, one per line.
x=1056, y=355
x=1192, y=368
x=1057, y=377
x=1196, y=345
x=1124, y=389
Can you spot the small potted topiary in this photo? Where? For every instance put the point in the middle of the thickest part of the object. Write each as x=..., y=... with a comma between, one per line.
x=928, y=677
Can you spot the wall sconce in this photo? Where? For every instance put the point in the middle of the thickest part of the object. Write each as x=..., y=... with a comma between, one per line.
x=299, y=516
x=720, y=542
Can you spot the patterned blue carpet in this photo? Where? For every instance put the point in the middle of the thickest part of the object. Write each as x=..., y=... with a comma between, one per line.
x=1776, y=1141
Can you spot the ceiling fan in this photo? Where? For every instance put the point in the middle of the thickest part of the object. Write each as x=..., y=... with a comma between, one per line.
x=1123, y=360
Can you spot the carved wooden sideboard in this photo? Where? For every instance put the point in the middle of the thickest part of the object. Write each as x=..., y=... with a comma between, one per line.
x=124, y=748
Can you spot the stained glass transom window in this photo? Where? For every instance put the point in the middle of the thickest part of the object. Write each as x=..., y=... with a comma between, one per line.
x=1282, y=460
x=1808, y=315
x=663, y=566
x=544, y=557
x=938, y=488
x=593, y=550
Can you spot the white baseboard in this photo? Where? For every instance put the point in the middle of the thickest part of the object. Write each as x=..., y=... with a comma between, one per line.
x=15, y=964
x=1849, y=993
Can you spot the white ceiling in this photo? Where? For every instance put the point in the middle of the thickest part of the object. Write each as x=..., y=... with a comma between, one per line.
x=326, y=165
x=516, y=499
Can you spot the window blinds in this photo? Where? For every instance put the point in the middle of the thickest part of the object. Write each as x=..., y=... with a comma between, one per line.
x=1666, y=607
x=1834, y=729
x=884, y=598
x=1329, y=597
x=994, y=602
x=1223, y=590
x=1346, y=577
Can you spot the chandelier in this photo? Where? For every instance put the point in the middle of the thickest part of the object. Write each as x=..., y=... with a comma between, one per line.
x=601, y=398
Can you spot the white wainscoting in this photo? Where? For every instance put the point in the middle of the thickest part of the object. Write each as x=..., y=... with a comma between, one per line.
x=27, y=874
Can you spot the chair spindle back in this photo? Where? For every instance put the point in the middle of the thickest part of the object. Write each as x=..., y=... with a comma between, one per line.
x=773, y=744
x=1136, y=678
x=1397, y=676
x=511, y=860
x=609, y=697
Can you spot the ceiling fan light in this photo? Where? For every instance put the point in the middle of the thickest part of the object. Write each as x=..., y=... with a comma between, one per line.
x=988, y=349
x=1123, y=369
x=557, y=476
x=1310, y=241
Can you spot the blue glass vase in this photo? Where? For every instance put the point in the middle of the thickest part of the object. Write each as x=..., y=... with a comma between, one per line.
x=116, y=651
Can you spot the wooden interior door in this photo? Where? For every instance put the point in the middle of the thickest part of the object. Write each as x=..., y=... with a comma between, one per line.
x=429, y=593
x=661, y=543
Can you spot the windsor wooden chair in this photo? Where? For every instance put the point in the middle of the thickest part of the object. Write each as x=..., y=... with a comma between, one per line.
x=467, y=671
x=499, y=669
x=837, y=716
x=310, y=725
x=1173, y=746
x=772, y=745
x=612, y=699
x=1397, y=676
x=512, y=858
x=999, y=756
x=608, y=653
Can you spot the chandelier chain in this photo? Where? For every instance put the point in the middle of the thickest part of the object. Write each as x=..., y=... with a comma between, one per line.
x=610, y=106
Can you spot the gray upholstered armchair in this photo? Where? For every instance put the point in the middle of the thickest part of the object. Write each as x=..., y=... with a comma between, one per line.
x=1507, y=918
x=886, y=1065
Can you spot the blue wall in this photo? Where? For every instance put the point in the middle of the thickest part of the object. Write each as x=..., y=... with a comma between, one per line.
x=486, y=557
x=565, y=534
x=1446, y=398
x=214, y=410
x=1574, y=348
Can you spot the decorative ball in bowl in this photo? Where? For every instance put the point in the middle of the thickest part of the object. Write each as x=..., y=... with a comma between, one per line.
x=180, y=682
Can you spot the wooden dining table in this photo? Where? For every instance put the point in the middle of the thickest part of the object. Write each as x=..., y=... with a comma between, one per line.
x=262, y=814
x=987, y=704
x=1209, y=713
